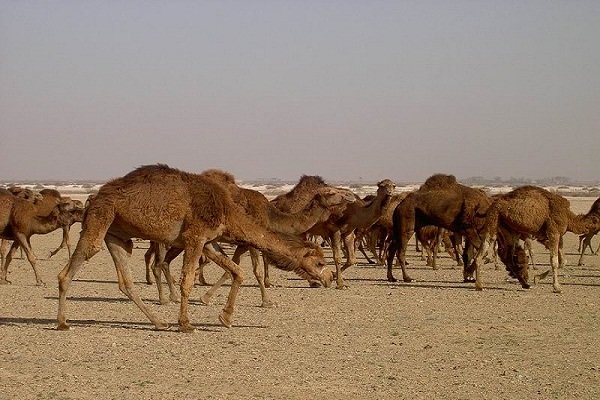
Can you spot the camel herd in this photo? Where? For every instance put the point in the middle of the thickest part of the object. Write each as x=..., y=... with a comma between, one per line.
x=193, y=213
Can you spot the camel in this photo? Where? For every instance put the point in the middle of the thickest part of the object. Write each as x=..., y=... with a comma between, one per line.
x=263, y=212
x=26, y=194
x=75, y=216
x=443, y=202
x=299, y=197
x=531, y=211
x=378, y=234
x=181, y=209
x=585, y=241
x=20, y=219
x=431, y=237
x=357, y=217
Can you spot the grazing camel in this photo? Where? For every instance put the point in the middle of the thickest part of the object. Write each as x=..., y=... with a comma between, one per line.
x=176, y=208
x=443, y=202
x=299, y=197
x=264, y=213
x=530, y=211
x=20, y=219
x=76, y=215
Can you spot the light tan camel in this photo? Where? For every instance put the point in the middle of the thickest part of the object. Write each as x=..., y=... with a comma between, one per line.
x=176, y=208
x=443, y=202
x=531, y=211
x=20, y=219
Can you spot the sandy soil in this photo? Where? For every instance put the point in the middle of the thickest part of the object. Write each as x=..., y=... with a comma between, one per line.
x=434, y=338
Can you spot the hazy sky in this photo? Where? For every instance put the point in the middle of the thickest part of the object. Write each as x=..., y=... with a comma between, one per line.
x=343, y=89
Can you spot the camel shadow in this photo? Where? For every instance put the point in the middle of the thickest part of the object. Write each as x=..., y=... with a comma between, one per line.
x=442, y=285
x=130, y=325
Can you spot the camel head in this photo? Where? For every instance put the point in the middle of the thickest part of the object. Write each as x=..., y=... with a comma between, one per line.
x=513, y=255
x=387, y=186
x=333, y=197
x=313, y=266
x=25, y=193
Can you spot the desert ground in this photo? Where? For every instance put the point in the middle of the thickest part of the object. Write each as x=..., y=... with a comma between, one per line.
x=433, y=338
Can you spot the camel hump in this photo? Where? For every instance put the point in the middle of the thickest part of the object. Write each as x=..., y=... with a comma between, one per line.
x=219, y=176
x=311, y=180
x=439, y=181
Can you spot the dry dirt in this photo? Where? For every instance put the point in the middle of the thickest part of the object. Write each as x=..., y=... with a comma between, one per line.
x=433, y=338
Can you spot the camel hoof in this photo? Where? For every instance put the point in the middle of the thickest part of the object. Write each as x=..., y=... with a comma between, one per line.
x=479, y=288
x=526, y=286
x=557, y=290
x=186, y=328
x=204, y=300
x=268, y=304
x=407, y=279
x=161, y=326
x=392, y=279
x=468, y=280
x=63, y=327
x=342, y=287
x=225, y=319
x=315, y=284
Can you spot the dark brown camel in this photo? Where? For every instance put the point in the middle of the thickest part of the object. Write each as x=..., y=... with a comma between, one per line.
x=531, y=211
x=181, y=209
x=443, y=202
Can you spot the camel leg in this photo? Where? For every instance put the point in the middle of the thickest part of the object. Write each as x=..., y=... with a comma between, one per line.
x=148, y=255
x=237, y=255
x=478, y=259
x=237, y=279
x=586, y=243
x=266, y=299
x=266, y=278
x=63, y=244
x=87, y=246
x=553, y=246
x=200, y=273
x=120, y=250
x=554, y=261
x=7, y=259
x=562, y=260
x=364, y=253
x=399, y=250
x=350, y=245
x=23, y=242
x=191, y=258
x=160, y=267
x=4, y=248
x=336, y=248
